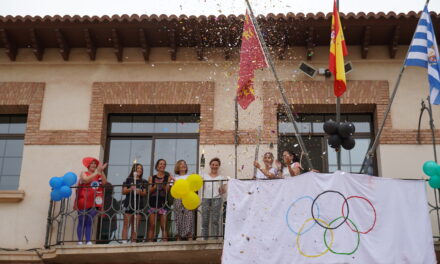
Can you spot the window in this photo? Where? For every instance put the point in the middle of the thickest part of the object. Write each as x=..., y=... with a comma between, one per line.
x=322, y=156
x=12, y=130
x=147, y=138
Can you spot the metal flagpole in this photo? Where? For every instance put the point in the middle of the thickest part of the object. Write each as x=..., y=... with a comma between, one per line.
x=135, y=200
x=236, y=136
x=257, y=148
x=338, y=111
x=279, y=84
x=370, y=153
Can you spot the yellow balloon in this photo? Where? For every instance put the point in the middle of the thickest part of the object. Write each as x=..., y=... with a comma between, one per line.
x=174, y=194
x=191, y=201
x=181, y=187
x=195, y=182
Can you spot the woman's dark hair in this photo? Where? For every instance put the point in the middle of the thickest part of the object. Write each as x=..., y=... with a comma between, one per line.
x=134, y=168
x=157, y=163
x=294, y=159
x=215, y=159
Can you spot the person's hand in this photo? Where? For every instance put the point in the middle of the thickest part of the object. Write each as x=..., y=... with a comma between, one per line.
x=104, y=166
x=256, y=164
x=133, y=188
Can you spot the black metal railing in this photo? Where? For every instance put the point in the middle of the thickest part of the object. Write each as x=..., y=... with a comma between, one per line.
x=104, y=214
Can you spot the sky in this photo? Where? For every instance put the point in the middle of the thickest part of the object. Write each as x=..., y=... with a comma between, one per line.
x=202, y=7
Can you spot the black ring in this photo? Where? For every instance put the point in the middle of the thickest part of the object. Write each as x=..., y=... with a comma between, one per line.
x=345, y=217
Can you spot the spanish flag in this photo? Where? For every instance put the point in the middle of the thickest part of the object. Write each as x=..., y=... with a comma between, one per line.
x=337, y=52
x=251, y=58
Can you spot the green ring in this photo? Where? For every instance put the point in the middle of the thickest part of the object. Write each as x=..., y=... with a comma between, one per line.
x=357, y=232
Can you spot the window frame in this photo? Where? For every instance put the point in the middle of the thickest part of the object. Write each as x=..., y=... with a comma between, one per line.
x=152, y=136
x=7, y=136
x=324, y=137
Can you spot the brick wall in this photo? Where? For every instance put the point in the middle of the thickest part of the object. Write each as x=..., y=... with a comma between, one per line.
x=317, y=97
x=198, y=97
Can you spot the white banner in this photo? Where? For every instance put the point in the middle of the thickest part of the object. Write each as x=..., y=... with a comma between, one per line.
x=328, y=218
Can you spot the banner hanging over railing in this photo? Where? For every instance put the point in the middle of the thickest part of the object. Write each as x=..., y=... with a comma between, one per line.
x=328, y=218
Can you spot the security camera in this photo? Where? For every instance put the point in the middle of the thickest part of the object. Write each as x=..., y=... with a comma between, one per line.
x=307, y=69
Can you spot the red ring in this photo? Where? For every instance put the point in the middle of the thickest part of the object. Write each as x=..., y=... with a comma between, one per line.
x=372, y=206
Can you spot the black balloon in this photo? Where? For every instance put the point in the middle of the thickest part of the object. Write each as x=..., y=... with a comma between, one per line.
x=344, y=130
x=334, y=141
x=348, y=143
x=352, y=128
x=330, y=127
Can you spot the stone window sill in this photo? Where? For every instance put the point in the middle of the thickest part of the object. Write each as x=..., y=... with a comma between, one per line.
x=15, y=196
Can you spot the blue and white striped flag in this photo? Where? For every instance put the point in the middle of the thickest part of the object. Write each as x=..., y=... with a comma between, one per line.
x=423, y=52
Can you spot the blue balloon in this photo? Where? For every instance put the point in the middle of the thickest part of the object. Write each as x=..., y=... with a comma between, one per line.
x=65, y=191
x=55, y=195
x=56, y=182
x=430, y=168
x=69, y=178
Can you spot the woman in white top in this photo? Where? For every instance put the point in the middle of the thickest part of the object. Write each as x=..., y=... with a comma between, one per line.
x=213, y=188
x=290, y=166
x=184, y=217
x=266, y=172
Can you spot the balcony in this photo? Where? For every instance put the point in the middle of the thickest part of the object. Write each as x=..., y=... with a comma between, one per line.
x=155, y=239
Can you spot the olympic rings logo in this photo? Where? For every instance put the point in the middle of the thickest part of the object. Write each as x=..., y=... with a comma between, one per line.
x=328, y=226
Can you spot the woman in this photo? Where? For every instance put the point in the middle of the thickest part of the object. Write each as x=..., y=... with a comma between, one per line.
x=89, y=197
x=213, y=189
x=184, y=217
x=290, y=166
x=268, y=172
x=159, y=186
x=133, y=190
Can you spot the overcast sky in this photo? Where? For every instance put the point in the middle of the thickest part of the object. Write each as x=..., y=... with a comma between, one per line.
x=202, y=7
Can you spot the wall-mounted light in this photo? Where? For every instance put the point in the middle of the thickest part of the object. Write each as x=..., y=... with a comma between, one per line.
x=348, y=67
x=307, y=69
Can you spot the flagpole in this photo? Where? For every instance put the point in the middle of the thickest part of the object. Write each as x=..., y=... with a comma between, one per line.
x=371, y=151
x=257, y=148
x=279, y=84
x=338, y=115
x=236, y=136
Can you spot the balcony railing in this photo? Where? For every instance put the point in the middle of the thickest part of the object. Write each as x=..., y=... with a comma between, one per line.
x=102, y=212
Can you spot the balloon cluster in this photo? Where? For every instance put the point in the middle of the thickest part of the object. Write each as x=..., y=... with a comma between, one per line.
x=340, y=134
x=432, y=169
x=61, y=186
x=185, y=189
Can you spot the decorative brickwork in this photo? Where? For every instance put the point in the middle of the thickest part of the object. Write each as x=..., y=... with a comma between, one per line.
x=198, y=97
x=317, y=97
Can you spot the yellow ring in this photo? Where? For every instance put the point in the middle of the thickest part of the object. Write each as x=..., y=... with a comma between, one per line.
x=301, y=229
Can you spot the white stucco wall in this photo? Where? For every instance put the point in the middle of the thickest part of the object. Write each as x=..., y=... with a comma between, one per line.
x=67, y=99
x=24, y=223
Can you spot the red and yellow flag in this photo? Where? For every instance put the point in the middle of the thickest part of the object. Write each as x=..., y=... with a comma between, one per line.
x=337, y=52
x=251, y=58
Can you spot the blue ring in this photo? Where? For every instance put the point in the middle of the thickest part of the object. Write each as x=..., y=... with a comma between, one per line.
x=290, y=207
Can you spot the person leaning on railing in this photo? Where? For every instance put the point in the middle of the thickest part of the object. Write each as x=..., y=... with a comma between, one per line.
x=290, y=166
x=159, y=186
x=89, y=196
x=268, y=171
x=184, y=217
x=132, y=207
x=213, y=189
